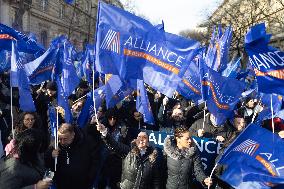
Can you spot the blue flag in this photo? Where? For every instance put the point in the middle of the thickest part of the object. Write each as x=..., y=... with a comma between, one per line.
x=232, y=69
x=143, y=104
x=5, y=60
x=18, y=78
x=116, y=90
x=62, y=100
x=217, y=59
x=131, y=47
x=69, y=1
x=52, y=119
x=266, y=112
x=165, y=75
x=69, y=78
x=257, y=155
x=190, y=87
x=211, y=50
x=24, y=43
x=220, y=93
x=41, y=68
x=88, y=108
x=88, y=63
x=267, y=62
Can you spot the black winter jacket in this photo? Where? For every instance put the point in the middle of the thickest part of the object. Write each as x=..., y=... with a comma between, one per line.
x=138, y=172
x=16, y=175
x=211, y=131
x=182, y=165
x=81, y=169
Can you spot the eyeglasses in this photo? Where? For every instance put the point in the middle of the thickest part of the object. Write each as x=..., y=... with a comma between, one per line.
x=29, y=119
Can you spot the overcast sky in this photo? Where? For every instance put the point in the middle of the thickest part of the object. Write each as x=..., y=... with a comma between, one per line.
x=178, y=15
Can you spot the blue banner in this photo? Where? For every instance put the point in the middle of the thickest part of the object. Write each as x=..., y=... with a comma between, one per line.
x=132, y=47
x=256, y=155
x=190, y=87
x=267, y=62
x=208, y=148
x=24, y=43
x=220, y=93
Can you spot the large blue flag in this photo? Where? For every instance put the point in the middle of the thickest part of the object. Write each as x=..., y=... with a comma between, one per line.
x=5, y=60
x=190, y=87
x=88, y=108
x=143, y=104
x=116, y=90
x=220, y=93
x=131, y=47
x=256, y=155
x=18, y=78
x=267, y=62
x=24, y=43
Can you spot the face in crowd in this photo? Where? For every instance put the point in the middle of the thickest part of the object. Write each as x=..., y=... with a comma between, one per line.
x=51, y=93
x=29, y=120
x=137, y=116
x=66, y=134
x=239, y=123
x=250, y=103
x=177, y=114
x=112, y=120
x=142, y=140
x=183, y=138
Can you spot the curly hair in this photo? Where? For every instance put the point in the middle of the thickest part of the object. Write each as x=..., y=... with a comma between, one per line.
x=19, y=123
x=179, y=131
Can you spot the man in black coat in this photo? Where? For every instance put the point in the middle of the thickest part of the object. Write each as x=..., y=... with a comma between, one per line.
x=76, y=159
x=211, y=129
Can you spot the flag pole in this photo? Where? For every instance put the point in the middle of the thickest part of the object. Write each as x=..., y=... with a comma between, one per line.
x=12, y=116
x=94, y=100
x=254, y=113
x=56, y=137
x=95, y=49
x=204, y=115
x=210, y=177
x=272, y=116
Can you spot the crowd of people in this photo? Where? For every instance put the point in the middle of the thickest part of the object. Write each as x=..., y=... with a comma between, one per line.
x=112, y=150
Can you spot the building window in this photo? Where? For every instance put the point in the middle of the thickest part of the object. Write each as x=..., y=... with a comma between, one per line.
x=62, y=11
x=43, y=38
x=44, y=4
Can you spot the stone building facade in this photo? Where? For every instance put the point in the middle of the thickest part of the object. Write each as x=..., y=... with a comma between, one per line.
x=50, y=18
